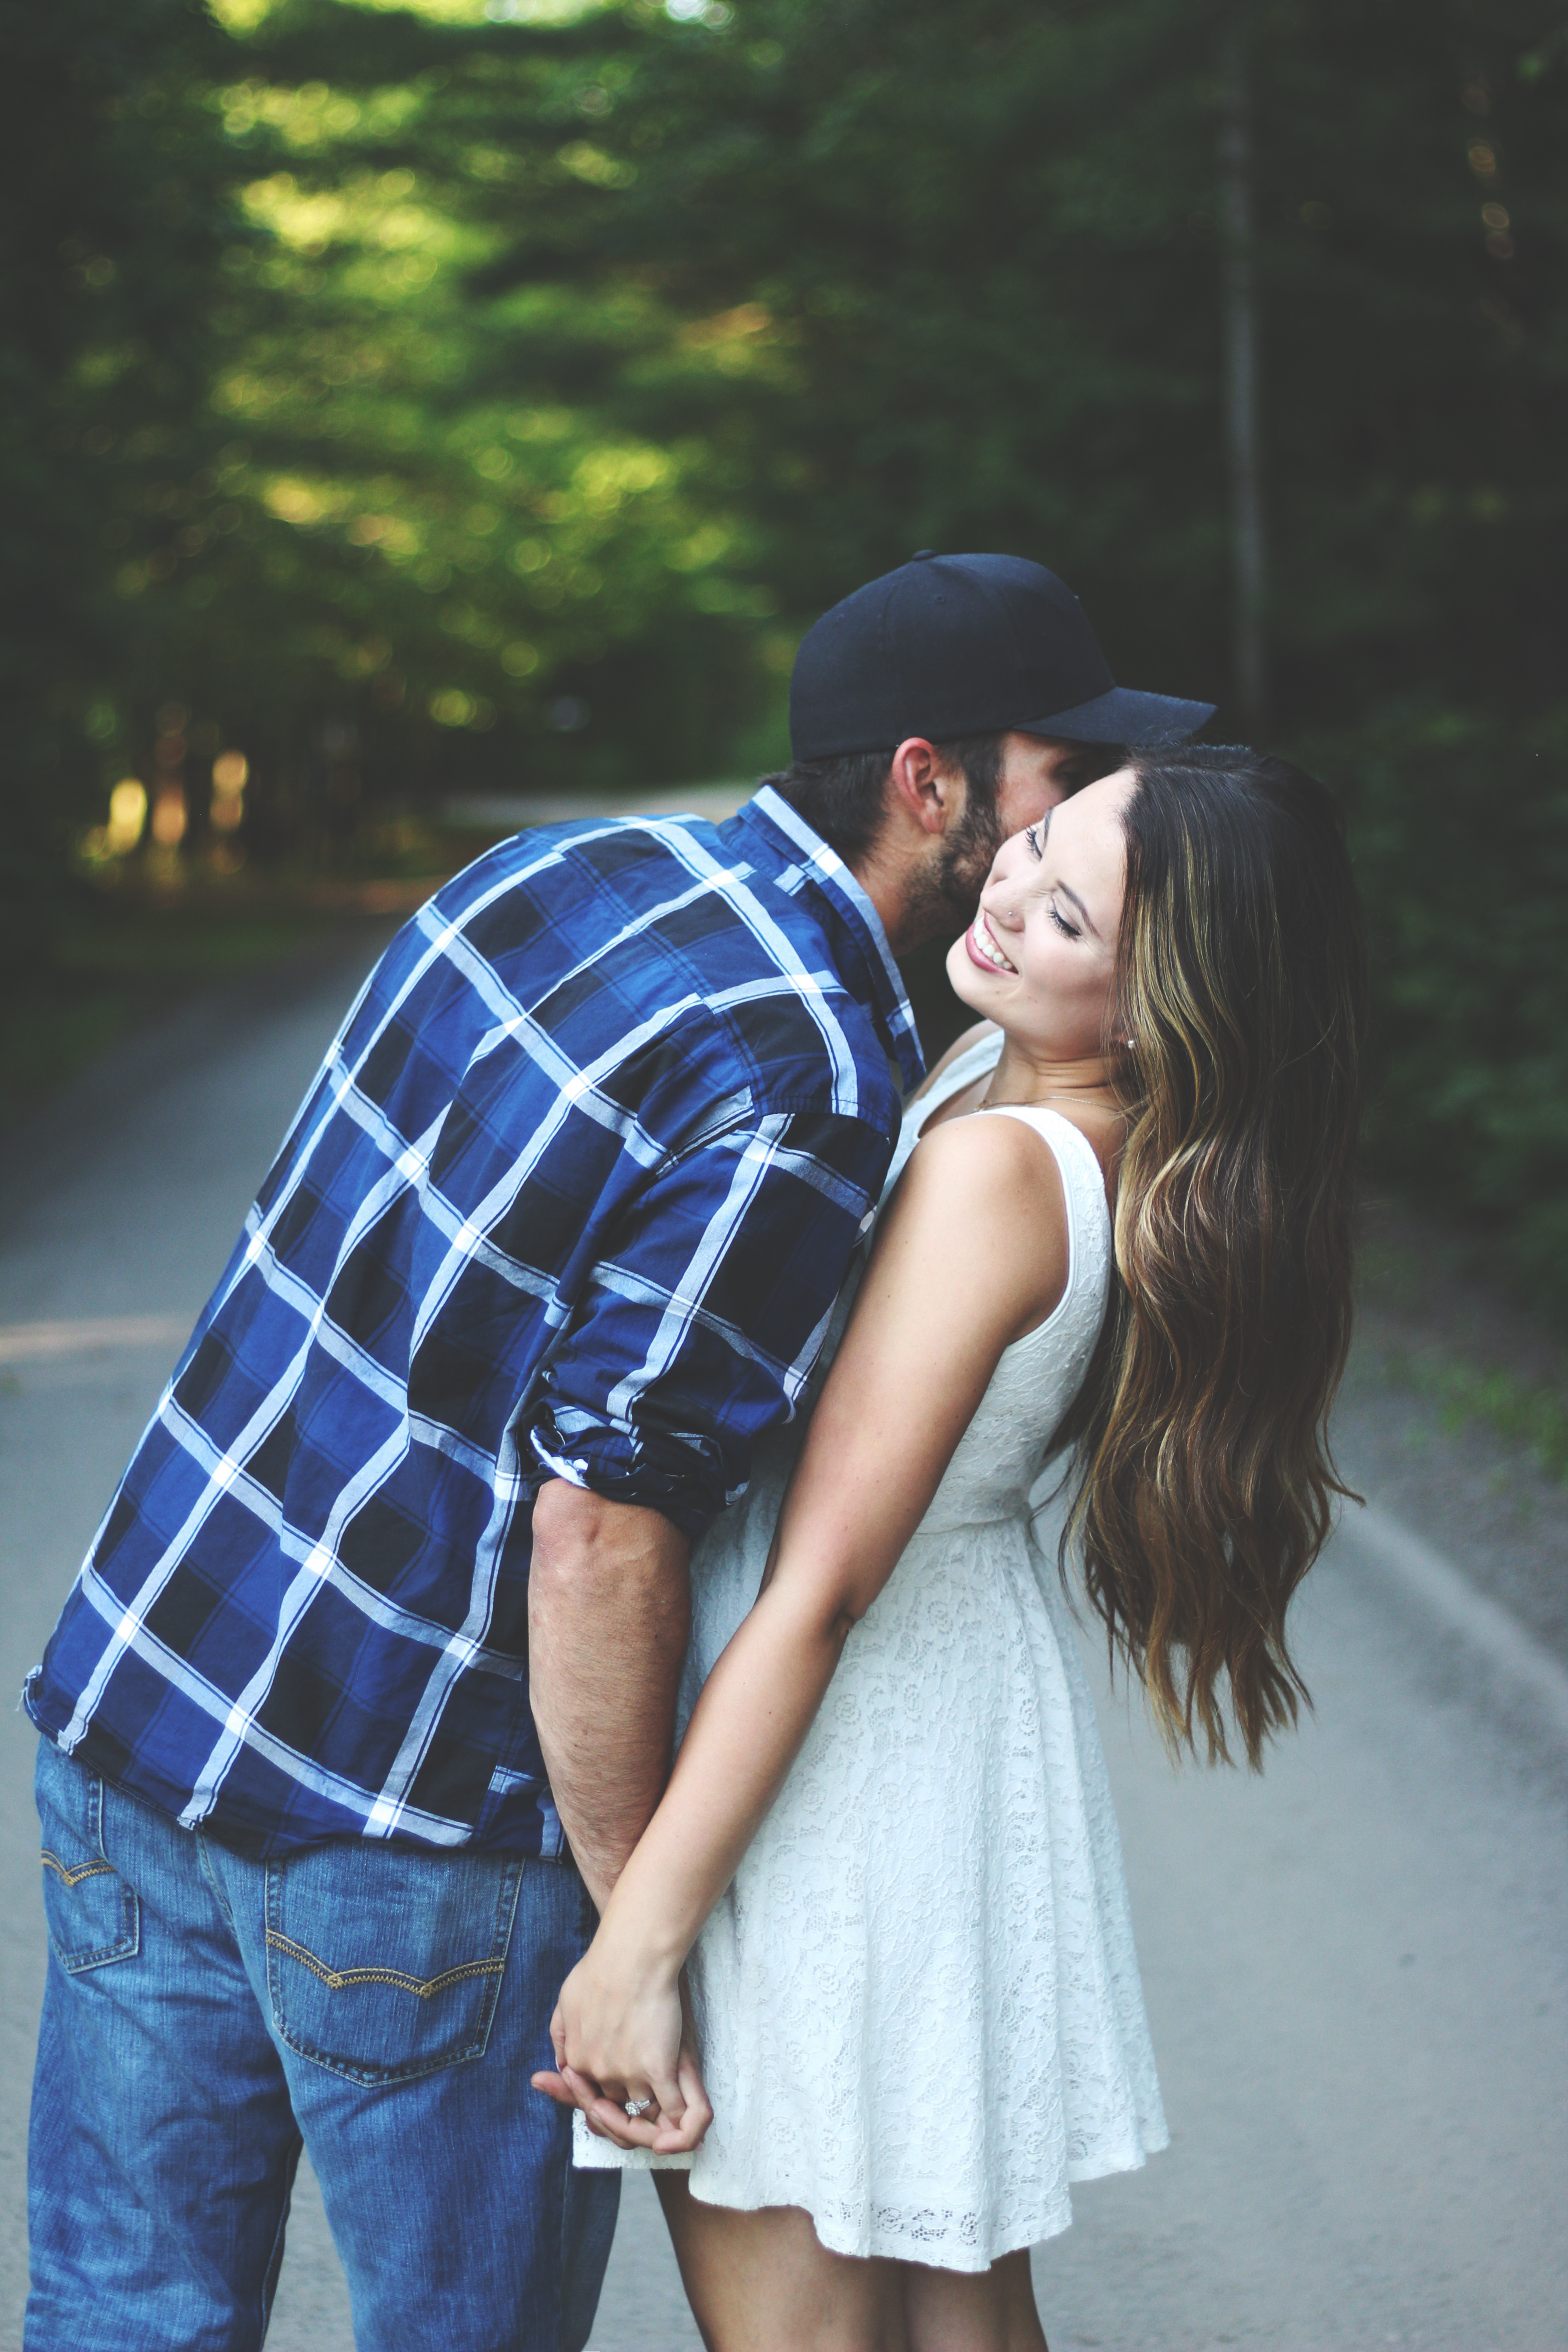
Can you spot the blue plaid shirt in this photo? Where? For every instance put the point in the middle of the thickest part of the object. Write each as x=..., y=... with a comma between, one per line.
x=572, y=1197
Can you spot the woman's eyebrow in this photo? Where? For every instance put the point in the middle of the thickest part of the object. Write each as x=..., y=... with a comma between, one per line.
x=1068, y=892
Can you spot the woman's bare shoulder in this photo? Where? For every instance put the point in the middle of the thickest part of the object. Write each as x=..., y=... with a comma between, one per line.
x=960, y=1045
x=979, y=1213
x=1003, y=1162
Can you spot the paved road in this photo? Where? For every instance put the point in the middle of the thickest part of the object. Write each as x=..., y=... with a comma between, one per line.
x=1357, y=1968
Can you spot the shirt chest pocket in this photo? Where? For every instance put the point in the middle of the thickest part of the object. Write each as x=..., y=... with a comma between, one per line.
x=383, y=1964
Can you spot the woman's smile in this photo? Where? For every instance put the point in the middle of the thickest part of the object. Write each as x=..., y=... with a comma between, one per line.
x=981, y=941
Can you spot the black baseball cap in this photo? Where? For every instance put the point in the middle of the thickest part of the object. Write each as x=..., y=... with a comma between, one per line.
x=967, y=645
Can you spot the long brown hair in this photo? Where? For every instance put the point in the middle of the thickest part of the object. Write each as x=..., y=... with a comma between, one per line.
x=1204, y=1482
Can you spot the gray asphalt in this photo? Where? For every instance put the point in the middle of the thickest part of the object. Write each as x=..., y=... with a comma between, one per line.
x=1356, y=1968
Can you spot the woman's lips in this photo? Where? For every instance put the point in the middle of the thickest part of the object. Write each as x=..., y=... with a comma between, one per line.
x=978, y=930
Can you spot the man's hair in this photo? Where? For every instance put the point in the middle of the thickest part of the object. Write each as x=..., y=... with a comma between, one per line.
x=845, y=799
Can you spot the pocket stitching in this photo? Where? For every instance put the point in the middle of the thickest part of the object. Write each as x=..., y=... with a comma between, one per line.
x=83, y=1869
x=337, y=1978
x=369, y=2071
x=127, y=1945
x=378, y=2078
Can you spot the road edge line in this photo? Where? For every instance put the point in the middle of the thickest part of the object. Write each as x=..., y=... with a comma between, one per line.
x=1448, y=1593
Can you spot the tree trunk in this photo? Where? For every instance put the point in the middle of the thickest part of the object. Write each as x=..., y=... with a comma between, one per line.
x=1241, y=394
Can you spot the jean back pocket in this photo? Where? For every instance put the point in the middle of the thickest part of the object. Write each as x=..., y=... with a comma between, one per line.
x=383, y=1964
x=94, y=1917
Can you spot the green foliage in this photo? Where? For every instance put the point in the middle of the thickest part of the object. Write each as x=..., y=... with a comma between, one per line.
x=113, y=214
x=1532, y=1413
x=954, y=265
x=1459, y=826
x=459, y=394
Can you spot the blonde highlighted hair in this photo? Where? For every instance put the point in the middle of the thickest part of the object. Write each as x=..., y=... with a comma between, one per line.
x=1203, y=1482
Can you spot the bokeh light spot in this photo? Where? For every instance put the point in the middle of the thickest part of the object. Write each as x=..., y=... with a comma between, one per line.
x=127, y=815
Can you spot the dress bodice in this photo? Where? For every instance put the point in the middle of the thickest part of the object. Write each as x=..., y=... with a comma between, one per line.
x=1003, y=1450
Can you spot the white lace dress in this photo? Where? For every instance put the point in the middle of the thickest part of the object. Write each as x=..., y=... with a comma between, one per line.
x=918, y=2002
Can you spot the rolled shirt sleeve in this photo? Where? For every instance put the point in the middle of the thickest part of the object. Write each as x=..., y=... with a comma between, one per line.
x=700, y=1323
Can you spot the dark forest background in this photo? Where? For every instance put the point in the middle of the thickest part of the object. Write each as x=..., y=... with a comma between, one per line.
x=403, y=404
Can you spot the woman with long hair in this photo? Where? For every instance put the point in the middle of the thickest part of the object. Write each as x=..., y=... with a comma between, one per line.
x=1117, y=1235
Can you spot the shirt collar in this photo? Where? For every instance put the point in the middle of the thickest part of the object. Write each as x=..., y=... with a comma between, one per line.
x=814, y=871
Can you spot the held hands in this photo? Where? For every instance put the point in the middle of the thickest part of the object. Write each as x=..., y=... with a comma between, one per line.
x=622, y=2032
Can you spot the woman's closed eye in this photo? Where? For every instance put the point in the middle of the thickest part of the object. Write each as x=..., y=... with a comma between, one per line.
x=1034, y=835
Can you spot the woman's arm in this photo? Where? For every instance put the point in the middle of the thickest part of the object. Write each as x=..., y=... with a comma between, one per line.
x=972, y=1252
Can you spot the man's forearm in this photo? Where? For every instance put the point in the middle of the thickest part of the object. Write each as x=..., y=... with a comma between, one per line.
x=608, y=1610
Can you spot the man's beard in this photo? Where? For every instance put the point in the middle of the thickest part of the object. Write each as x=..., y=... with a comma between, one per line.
x=947, y=894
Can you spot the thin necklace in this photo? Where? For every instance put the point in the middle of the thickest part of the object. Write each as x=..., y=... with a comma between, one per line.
x=1021, y=1102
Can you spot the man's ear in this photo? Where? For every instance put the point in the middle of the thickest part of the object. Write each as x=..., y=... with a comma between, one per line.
x=922, y=787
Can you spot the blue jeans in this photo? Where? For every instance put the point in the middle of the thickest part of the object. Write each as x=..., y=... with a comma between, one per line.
x=204, y=2014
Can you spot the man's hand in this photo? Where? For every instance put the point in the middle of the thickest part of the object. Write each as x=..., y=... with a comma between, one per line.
x=609, y=1604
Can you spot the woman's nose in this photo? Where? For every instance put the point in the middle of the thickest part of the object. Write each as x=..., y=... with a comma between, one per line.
x=1003, y=907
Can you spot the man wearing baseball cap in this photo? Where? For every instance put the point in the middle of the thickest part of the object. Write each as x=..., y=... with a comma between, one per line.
x=944, y=707
x=365, y=1690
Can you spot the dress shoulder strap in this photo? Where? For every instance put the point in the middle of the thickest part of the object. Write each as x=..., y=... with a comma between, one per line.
x=1083, y=1190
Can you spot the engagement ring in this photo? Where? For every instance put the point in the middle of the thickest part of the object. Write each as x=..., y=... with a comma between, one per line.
x=636, y=2107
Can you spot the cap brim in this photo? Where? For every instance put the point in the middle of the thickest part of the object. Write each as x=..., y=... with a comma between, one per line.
x=1122, y=716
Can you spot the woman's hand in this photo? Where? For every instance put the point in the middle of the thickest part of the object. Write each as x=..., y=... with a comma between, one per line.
x=622, y=2030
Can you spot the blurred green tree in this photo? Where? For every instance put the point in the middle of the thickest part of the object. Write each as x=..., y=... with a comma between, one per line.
x=956, y=269
x=115, y=211
x=490, y=389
